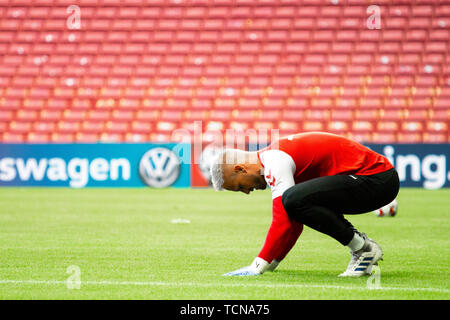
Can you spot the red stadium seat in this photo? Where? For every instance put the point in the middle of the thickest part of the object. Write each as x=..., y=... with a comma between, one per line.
x=62, y=137
x=369, y=114
x=435, y=137
x=412, y=126
x=363, y=126
x=33, y=137
x=215, y=126
x=264, y=125
x=136, y=72
x=313, y=126
x=19, y=127
x=440, y=115
x=390, y=126
x=409, y=137
x=381, y=137
x=67, y=127
x=391, y=114
x=437, y=126
x=344, y=115
x=338, y=127
x=92, y=126
x=136, y=137
x=361, y=137
x=416, y=114
x=289, y=126
x=87, y=137
x=12, y=137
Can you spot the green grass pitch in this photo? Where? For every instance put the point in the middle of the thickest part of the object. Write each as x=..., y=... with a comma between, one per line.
x=125, y=246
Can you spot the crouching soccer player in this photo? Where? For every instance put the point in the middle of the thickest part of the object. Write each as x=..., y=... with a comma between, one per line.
x=315, y=178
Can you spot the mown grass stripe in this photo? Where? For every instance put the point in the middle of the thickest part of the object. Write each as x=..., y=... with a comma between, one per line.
x=201, y=284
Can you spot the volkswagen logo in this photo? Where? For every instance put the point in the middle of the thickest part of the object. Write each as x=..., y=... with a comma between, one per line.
x=159, y=167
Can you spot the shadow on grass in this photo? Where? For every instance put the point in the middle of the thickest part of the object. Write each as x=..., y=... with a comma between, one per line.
x=299, y=273
x=326, y=277
x=392, y=277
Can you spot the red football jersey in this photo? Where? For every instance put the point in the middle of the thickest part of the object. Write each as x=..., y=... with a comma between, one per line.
x=318, y=154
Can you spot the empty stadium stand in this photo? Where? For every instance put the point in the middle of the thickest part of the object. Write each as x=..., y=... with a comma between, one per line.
x=136, y=70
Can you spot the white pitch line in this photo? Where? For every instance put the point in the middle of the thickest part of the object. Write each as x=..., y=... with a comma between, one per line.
x=199, y=284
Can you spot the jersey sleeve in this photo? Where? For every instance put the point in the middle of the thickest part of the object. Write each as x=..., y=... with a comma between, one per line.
x=282, y=235
x=279, y=169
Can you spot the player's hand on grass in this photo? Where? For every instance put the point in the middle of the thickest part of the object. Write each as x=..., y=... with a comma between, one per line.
x=257, y=267
x=245, y=271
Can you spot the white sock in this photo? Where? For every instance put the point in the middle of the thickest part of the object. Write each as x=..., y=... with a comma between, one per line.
x=356, y=243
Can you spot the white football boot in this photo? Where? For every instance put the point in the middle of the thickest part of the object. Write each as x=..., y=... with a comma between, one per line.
x=363, y=259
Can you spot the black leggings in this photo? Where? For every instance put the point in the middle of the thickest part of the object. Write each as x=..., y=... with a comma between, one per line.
x=321, y=202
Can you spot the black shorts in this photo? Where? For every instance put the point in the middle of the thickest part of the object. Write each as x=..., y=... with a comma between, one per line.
x=348, y=194
x=320, y=203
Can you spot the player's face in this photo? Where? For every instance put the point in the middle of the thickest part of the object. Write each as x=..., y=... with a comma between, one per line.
x=243, y=179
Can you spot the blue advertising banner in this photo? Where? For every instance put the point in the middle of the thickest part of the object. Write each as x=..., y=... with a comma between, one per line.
x=418, y=165
x=95, y=165
x=163, y=165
